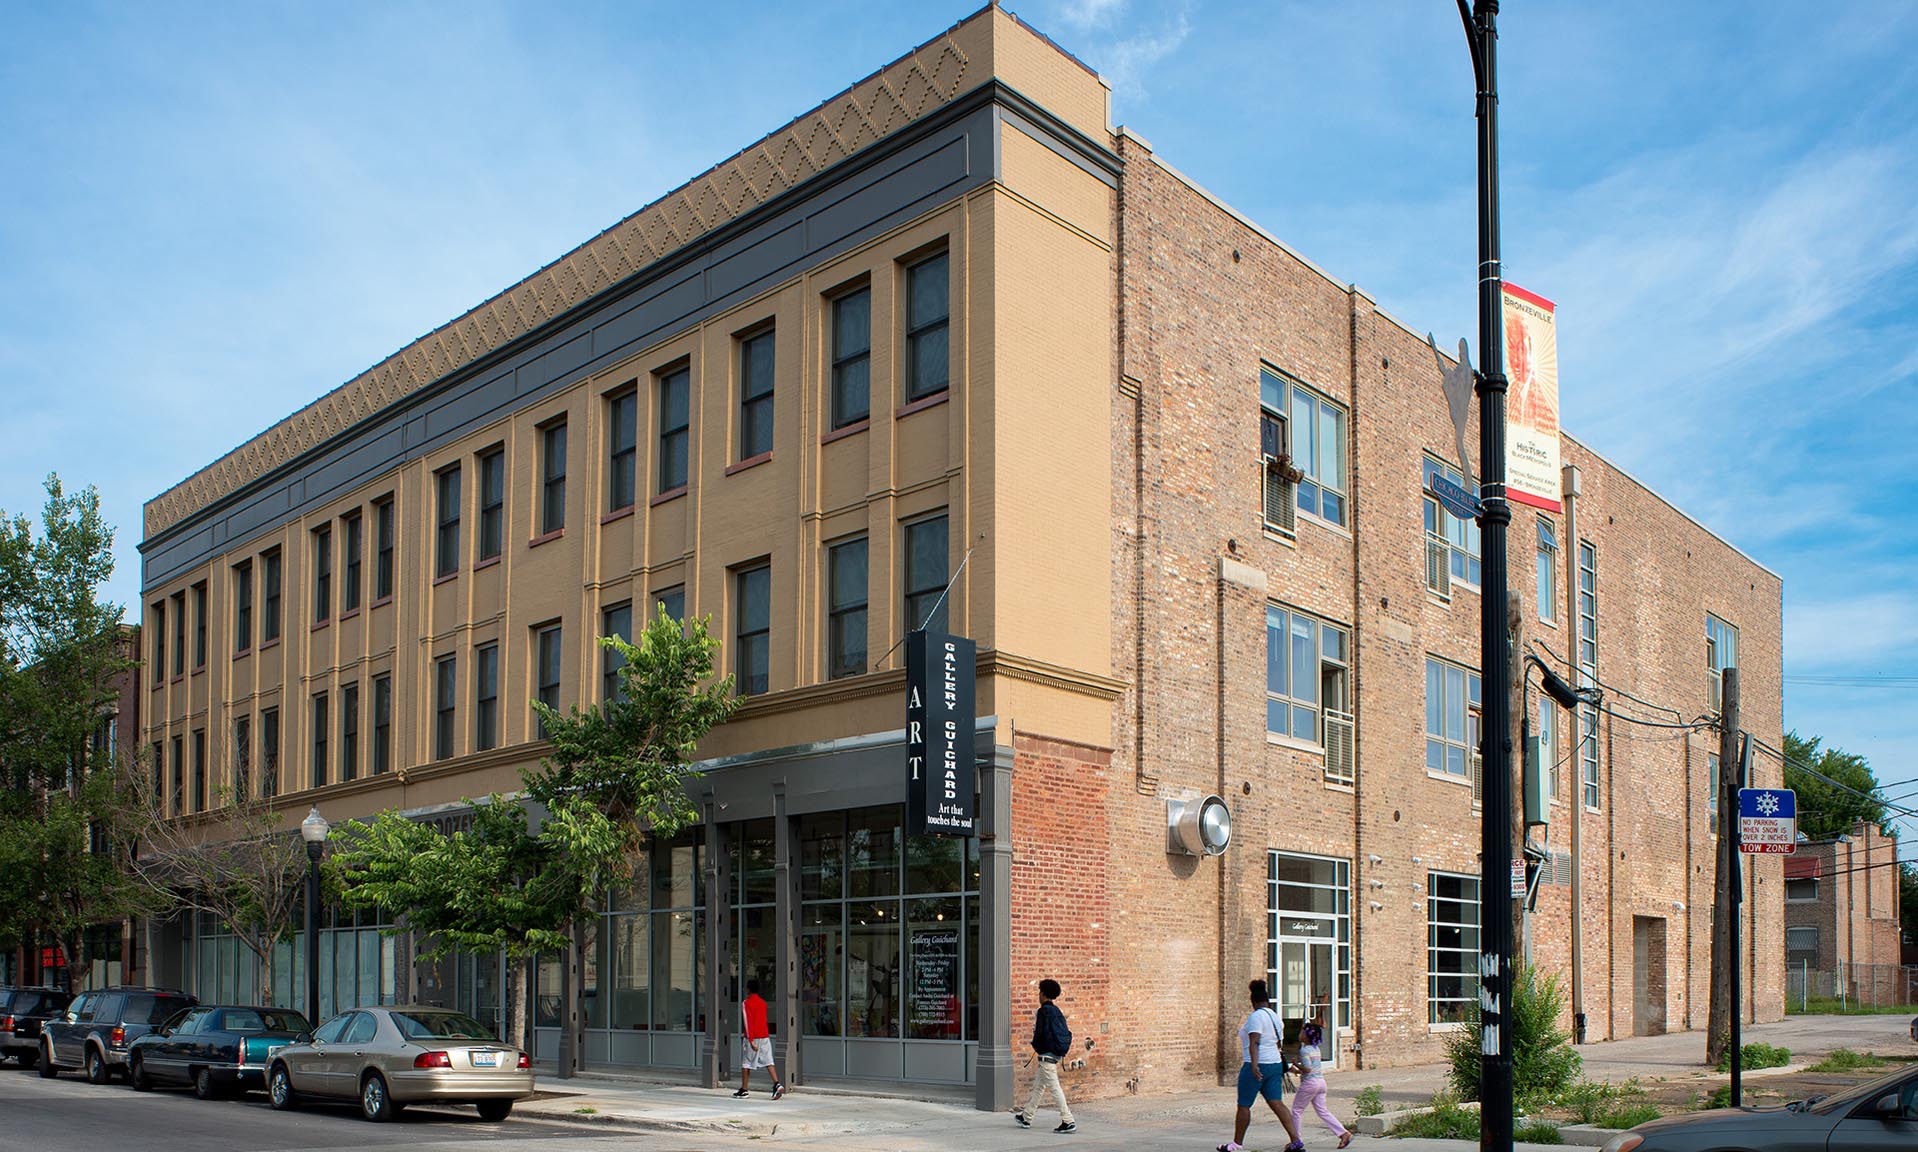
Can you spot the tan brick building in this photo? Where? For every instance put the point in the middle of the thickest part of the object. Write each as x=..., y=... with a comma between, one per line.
x=952, y=325
x=1842, y=936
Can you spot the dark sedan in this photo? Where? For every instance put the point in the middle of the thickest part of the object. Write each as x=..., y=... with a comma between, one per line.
x=217, y=1049
x=1877, y=1115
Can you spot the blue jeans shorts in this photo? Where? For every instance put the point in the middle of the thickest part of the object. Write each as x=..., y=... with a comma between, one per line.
x=1257, y=1080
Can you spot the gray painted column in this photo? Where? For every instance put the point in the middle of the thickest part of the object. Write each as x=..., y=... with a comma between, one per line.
x=993, y=1067
x=719, y=917
x=785, y=936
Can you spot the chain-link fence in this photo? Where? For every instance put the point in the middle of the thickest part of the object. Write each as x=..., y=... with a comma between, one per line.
x=1851, y=988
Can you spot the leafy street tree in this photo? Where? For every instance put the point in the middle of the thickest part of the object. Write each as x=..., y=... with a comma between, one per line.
x=616, y=775
x=60, y=649
x=1824, y=810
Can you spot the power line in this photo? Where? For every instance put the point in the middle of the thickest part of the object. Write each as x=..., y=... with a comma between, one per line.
x=1856, y=681
x=1792, y=762
x=1611, y=689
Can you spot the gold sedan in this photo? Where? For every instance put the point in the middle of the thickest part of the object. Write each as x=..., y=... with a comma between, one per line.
x=390, y=1057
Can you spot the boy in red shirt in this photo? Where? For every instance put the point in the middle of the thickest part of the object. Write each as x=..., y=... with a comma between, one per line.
x=756, y=1046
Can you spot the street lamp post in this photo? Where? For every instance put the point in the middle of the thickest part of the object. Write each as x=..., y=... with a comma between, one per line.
x=313, y=830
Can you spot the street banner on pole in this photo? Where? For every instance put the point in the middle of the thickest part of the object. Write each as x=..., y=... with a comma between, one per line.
x=940, y=763
x=1531, y=409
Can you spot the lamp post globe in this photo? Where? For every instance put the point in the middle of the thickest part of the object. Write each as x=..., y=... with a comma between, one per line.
x=313, y=830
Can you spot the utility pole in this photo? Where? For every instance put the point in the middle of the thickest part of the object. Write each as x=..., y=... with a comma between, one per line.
x=1725, y=898
x=1495, y=839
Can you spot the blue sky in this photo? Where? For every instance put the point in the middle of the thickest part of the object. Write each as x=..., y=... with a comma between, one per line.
x=212, y=214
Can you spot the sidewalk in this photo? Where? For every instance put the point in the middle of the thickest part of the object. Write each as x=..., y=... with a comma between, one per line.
x=874, y=1123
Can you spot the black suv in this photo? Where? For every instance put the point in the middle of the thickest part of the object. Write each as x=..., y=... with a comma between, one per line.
x=22, y=1012
x=98, y=1026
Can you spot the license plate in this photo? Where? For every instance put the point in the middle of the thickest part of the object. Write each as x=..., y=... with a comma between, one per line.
x=485, y=1059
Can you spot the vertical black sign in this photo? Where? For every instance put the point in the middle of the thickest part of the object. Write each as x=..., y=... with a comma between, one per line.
x=939, y=740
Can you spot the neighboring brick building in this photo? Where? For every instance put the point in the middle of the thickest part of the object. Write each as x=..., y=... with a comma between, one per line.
x=1842, y=936
x=1012, y=347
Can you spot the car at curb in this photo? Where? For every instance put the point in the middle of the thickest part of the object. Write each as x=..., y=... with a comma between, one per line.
x=214, y=1049
x=387, y=1057
x=1880, y=1113
x=94, y=1032
x=23, y=1012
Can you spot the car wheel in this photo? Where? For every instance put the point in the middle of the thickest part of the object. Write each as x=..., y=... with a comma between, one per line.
x=375, y=1104
x=137, y=1075
x=493, y=1111
x=279, y=1088
x=47, y=1070
x=204, y=1086
x=96, y=1067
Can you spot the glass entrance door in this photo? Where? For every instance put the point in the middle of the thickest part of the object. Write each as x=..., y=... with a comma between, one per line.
x=1310, y=946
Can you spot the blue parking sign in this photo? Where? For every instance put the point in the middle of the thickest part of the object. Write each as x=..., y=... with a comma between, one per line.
x=1767, y=821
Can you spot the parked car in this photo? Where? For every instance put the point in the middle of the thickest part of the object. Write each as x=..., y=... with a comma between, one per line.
x=1878, y=1114
x=97, y=1027
x=215, y=1048
x=390, y=1057
x=23, y=1011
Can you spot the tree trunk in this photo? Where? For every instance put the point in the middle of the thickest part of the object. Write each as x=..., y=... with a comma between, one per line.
x=77, y=969
x=515, y=1022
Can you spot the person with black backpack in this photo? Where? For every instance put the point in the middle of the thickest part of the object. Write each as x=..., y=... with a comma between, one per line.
x=1051, y=1042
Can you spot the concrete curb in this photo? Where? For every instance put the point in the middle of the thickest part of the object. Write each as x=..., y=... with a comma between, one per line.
x=1382, y=1123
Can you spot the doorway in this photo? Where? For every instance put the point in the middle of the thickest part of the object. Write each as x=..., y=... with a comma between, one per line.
x=1309, y=952
x=1648, y=975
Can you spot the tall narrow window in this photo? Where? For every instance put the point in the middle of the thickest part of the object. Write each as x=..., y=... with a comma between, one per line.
x=756, y=395
x=928, y=307
x=552, y=478
x=199, y=769
x=846, y=609
x=269, y=752
x=486, y=697
x=674, y=421
x=1547, y=570
x=622, y=439
x=242, y=606
x=614, y=621
x=926, y=575
x=322, y=575
x=1452, y=915
x=242, y=759
x=445, y=705
x=492, y=494
x=852, y=358
x=383, y=559
x=199, y=626
x=548, y=670
x=159, y=775
x=179, y=634
x=752, y=610
x=179, y=775
x=1548, y=745
x=349, y=731
x=1587, y=734
x=382, y=724
x=671, y=601
x=159, y=642
x=447, y=560
x=322, y=720
x=350, y=594
x=1721, y=652
x=270, y=594
x=1452, y=701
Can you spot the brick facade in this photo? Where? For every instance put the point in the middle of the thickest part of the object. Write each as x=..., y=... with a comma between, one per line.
x=1846, y=892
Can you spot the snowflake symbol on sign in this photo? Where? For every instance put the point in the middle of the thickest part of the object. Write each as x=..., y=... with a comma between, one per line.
x=1768, y=805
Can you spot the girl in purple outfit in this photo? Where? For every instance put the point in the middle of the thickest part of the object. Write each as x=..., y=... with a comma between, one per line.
x=1312, y=1083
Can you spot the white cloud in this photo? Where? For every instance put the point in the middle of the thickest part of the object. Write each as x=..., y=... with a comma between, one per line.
x=1090, y=13
x=1853, y=633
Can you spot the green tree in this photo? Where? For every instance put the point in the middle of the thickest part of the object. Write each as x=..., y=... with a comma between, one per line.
x=1826, y=810
x=1908, y=899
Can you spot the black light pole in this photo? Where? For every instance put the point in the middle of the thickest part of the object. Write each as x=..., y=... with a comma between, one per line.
x=313, y=830
x=1495, y=893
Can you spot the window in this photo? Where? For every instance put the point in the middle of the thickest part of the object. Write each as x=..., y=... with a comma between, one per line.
x=383, y=561
x=1712, y=784
x=179, y=633
x=382, y=724
x=448, y=560
x=752, y=609
x=349, y=732
x=322, y=574
x=1308, y=951
x=674, y=419
x=486, y=698
x=350, y=595
x=846, y=609
x=1451, y=719
x=242, y=758
x=1313, y=434
x=242, y=606
x=1547, y=570
x=199, y=626
x=492, y=494
x=1588, y=754
x=1801, y=890
x=548, y=670
x=1548, y=745
x=159, y=642
x=756, y=395
x=928, y=308
x=320, y=724
x=445, y=684
x=1801, y=939
x=1588, y=670
x=1452, y=907
x=552, y=478
x=199, y=770
x=179, y=775
x=1305, y=671
x=1451, y=544
x=159, y=773
x=671, y=601
x=622, y=439
x=270, y=610
x=852, y=358
x=926, y=575
x=1279, y=503
x=269, y=752
x=614, y=621
x=1721, y=652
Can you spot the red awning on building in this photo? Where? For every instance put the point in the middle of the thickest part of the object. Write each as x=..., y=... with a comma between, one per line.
x=1801, y=867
